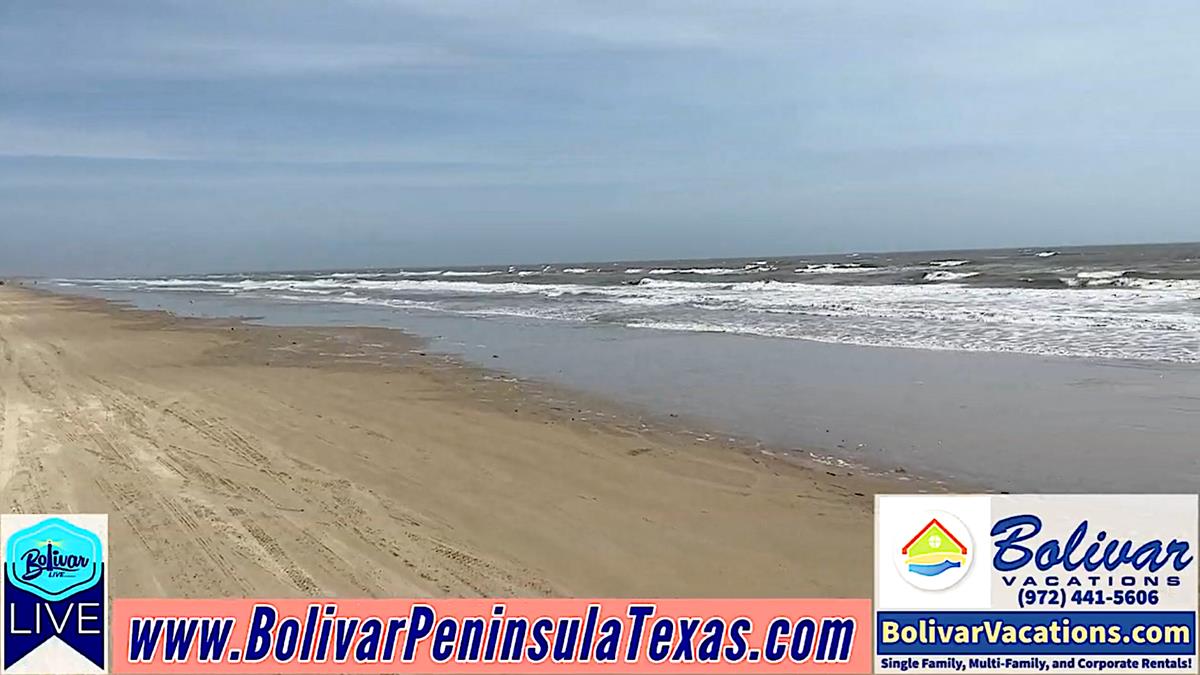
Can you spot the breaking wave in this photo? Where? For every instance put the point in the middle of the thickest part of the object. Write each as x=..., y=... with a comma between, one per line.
x=1094, y=313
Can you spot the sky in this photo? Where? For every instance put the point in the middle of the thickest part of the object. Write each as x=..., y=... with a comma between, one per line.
x=166, y=137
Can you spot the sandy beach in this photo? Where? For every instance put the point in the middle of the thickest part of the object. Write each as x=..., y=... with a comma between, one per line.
x=240, y=460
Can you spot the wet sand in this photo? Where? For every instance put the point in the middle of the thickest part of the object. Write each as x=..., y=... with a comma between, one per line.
x=245, y=460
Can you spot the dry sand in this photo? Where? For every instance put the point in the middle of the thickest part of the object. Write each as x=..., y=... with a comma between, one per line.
x=240, y=460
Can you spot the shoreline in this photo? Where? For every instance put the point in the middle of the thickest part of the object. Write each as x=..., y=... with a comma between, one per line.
x=952, y=420
x=397, y=470
x=634, y=416
x=970, y=420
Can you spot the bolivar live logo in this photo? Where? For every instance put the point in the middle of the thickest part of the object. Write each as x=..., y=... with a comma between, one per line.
x=55, y=593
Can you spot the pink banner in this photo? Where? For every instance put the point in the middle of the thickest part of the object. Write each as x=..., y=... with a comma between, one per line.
x=491, y=636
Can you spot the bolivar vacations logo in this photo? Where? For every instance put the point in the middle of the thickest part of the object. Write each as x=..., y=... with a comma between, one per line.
x=55, y=593
x=938, y=555
x=1036, y=583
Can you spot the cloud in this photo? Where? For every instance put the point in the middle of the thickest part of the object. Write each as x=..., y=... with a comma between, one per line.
x=662, y=121
x=216, y=58
x=588, y=25
x=25, y=139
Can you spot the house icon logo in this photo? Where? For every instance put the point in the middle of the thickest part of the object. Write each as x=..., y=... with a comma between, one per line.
x=938, y=555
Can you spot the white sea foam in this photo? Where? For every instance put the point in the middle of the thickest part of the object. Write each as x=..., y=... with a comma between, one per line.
x=443, y=287
x=1188, y=285
x=1132, y=318
x=471, y=273
x=402, y=274
x=714, y=271
x=1110, y=323
x=942, y=275
x=832, y=268
x=949, y=263
x=1046, y=254
x=1101, y=274
x=181, y=285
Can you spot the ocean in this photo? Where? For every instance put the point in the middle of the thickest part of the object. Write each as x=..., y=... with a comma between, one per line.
x=1058, y=370
x=1119, y=302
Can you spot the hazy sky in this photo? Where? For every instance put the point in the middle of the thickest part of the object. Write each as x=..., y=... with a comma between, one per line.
x=202, y=136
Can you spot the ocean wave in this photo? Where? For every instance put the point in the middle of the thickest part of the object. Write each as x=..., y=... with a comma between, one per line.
x=155, y=284
x=1101, y=274
x=1140, y=283
x=445, y=287
x=942, y=275
x=1188, y=285
x=401, y=274
x=713, y=271
x=949, y=263
x=1023, y=325
x=1131, y=317
x=833, y=268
